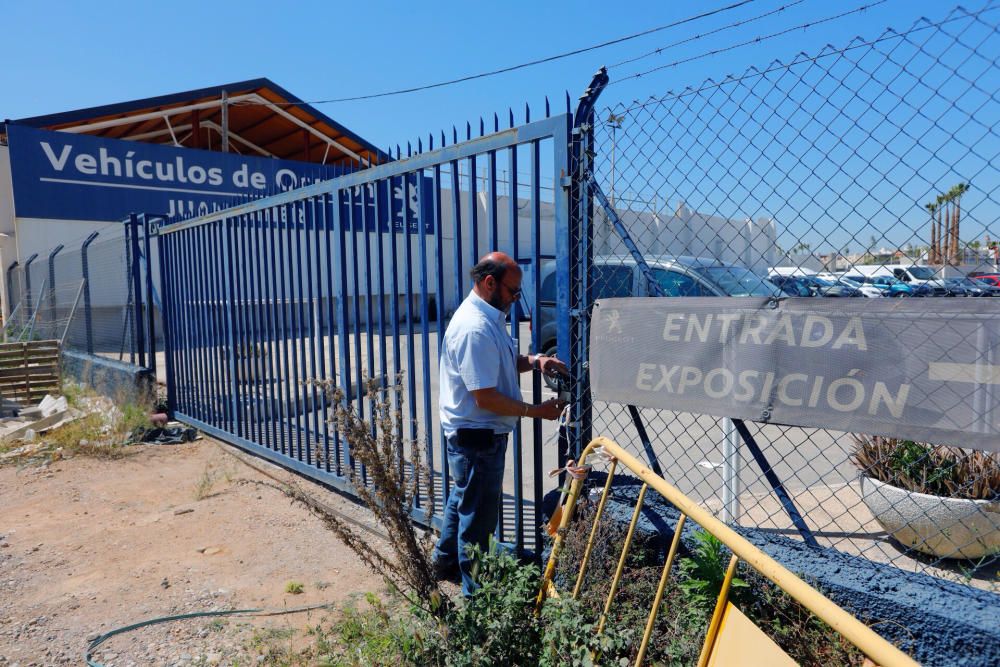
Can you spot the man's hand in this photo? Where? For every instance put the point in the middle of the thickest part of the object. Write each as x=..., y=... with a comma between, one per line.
x=550, y=409
x=551, y=366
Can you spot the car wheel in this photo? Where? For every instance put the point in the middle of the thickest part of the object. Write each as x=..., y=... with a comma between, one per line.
x=550, y=382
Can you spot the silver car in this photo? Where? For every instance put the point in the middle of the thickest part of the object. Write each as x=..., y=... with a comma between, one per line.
x=620, y=276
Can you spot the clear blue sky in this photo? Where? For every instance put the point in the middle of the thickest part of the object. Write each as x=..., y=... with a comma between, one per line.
x=60, y=56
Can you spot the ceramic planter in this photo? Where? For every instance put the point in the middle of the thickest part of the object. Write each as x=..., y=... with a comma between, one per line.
x=935, y=525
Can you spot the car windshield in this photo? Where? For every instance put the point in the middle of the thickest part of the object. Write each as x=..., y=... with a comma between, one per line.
x=738, y=281
x=818, y=282
x=980, y=283
x=887, y=280
x=921, y=272
x=850, y=282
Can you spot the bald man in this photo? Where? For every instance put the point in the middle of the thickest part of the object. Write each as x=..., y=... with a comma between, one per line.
x=480, y=402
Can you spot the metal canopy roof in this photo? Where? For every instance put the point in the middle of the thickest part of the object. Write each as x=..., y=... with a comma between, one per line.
x=263, y=118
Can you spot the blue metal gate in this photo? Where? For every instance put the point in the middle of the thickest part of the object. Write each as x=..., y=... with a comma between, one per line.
x=354, y=277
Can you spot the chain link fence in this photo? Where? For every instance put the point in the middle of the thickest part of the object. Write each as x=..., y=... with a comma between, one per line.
x=867, y=171
x=81, y=295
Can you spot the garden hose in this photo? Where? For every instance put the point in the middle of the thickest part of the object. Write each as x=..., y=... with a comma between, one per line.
x=198, y=614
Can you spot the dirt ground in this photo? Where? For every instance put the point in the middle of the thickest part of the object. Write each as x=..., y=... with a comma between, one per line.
x=90, y=545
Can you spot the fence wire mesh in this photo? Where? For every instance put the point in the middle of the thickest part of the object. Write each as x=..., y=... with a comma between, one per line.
x=865, y=171
x=82, y=295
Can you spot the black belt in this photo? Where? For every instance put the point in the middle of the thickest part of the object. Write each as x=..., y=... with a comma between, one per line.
x=477, y=438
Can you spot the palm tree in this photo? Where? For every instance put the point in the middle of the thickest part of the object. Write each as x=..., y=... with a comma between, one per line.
x=944, y=236
x=932, y=254
x=956, y=195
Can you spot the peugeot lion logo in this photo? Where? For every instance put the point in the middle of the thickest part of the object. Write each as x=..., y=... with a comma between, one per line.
x=614, y=326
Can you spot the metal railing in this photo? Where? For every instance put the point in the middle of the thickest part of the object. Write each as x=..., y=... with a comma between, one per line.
x=863, y=637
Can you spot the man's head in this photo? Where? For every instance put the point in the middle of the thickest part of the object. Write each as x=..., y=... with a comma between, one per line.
x=498, y=280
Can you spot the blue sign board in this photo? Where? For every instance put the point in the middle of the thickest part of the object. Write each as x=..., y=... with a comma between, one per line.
x=65, y=176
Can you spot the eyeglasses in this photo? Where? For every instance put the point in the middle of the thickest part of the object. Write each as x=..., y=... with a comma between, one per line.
x=516, y=293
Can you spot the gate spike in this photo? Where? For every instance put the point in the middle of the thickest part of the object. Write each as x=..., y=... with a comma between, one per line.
x=397, y=152
x=420, y=145
x=510, y=115
x=430, y=141
x=409, y=149
x=468, y=130
x=547, y=110
x=567, y=102
x=443, y=142
x=454, y=135
x=482, y=127
x=496, y=122
x=527, y=113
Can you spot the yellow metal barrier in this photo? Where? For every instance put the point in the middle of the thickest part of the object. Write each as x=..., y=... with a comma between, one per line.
x=728, y=624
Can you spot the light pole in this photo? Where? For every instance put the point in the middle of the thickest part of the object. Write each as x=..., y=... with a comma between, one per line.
x=614, y=122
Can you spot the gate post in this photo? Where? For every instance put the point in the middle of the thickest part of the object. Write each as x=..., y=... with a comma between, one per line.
x=85, y=272
x=10, y=288
x=27, y=282
x=581, y=251
x=138, y=330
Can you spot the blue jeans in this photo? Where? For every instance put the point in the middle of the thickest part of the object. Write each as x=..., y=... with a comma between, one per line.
x=470, y=516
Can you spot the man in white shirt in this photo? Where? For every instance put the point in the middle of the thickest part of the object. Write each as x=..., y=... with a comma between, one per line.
x=480, y=402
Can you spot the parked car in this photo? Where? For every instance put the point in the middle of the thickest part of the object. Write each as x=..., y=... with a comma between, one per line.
x=991, y=278
x=813, y=286
x=869, y=291
x=887, y=284
x=620, y=276
x=923, y=279
x=970, y=287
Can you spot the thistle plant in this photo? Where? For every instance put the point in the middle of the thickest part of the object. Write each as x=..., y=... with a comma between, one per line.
x=390, y=487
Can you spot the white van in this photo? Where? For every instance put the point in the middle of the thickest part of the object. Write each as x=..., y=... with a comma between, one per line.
x=921, y=278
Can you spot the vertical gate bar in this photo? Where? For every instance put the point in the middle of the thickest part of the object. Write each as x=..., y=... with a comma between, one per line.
x=394, y=310
x=246, y=408
x=439, y=286
x=456, y=215
x=473, y=213
x=319, y=228
x=353, y=222
x=621, y=560
x=191, y=322
x=369, y=311
x=411, y=373
x=331, y=220
x=295, y=338
x=658, y=598
x=492, y=200
x=223, y=341
x=169, y=320
x=138, y=329
x=266, y=301
x=150, y=305
x=215, y=366
x=515, y=325
x=380, y=248
x=252, y=267
x=588, y=550
x=180, y=331
x=425, y=331
x=297, y=211
x=280, y=219
x=263, y=333
x=342, y=316
x=196, y=253
x=309, y=210
x=230, y=296
x=536, y=336
x=355, y=297
x=246, y=339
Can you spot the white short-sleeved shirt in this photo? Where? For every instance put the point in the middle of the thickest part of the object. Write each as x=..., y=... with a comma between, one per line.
x=478, y=353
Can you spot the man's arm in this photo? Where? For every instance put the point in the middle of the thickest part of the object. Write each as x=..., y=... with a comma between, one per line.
x=492, y=400
x=539, y=362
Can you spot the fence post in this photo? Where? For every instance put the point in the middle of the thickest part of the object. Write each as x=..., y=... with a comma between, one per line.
x=166, y=303
x=581, y=231
x=27, y=281
x=150, y=310
x=85, y=272
x=52, y=280
x=10, y=287
x=138, y=329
